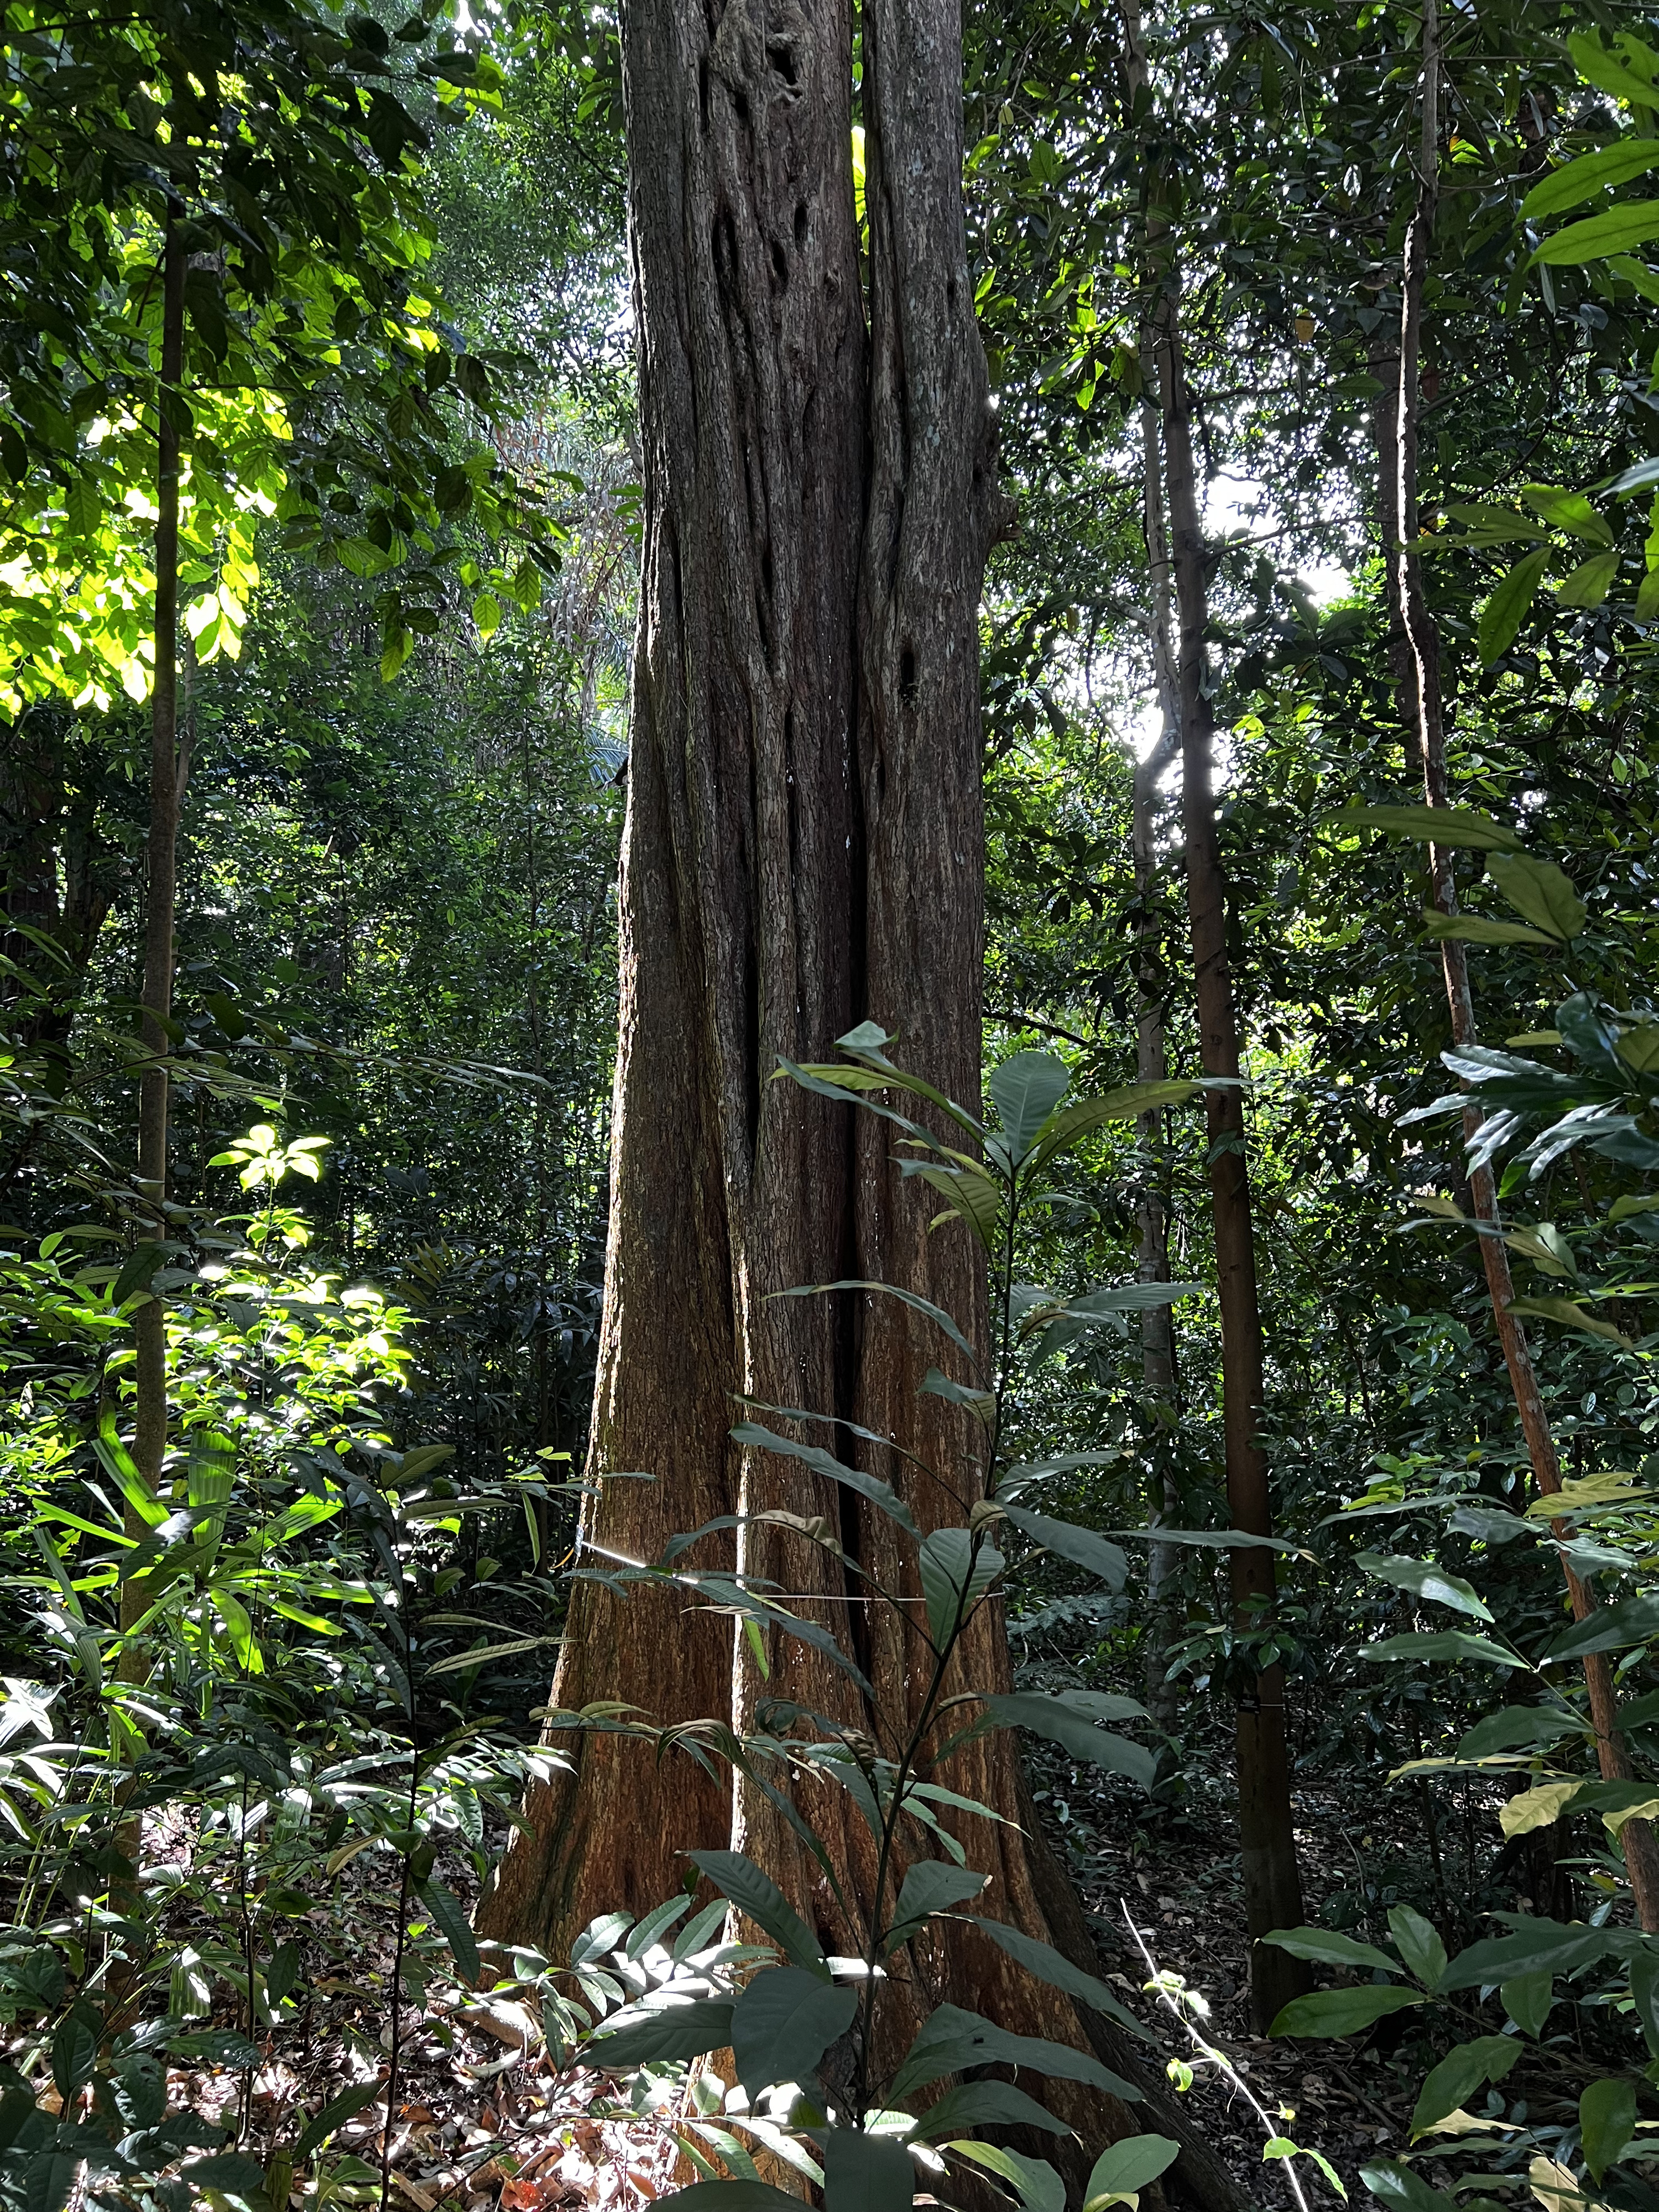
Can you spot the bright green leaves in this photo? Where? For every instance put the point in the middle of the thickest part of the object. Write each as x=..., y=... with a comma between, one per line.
x=1025, y=1090
x=1541, y=893
x=1460, y=2074
x=1628, y=75
x=1575, y=182
x=1601, y=235
x=1567, y=510
x=1439, y=825
x=1126, y=2168
x=1590, y=582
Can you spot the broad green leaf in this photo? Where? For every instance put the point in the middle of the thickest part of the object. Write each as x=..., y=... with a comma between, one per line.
x=1403, y=2190
x=1049, y=1717
x=1520, y=1728
x=1571, y=1315
x=1419, y=1946
x=1423, y=1579
x=1551, y=1947
x=930, y=1885
x=1127, y=1104
x=783, y=2023
x=1539, y=892
x=1508, y=605
x=1081, y=1546
x=455, y=1928
x=1600, y=236
x=335, y=2114
x=1479, y=929
x=950, y=2039
x=983, y=2105
x=1126, y=2167
x=1060, y=1974
x=866, y=2173
x=1609, y=73
x=1590, y=582
x=956, y=1573
x=486, y=615
x=1341, y=2012
x=1610, y=1628
x=1435, y=825
x=1527, y=1999
x=910, y=1298
x=1329, y=1948
x=1026, y=1089
x=680, y=2031
x=1606, y=2122
x=1568, y=510
x=759, y=1896
x=1445, y=1643
x=1575, y=182
x=1033, y=2180
x=880, y=1494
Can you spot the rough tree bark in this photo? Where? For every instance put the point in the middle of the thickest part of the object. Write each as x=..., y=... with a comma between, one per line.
x=803, y=849
x=1417, y=666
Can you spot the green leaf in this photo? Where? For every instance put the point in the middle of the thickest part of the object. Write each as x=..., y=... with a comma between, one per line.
x=910, y=1298
x=1539, y=893
x=335, y=2114
x=956, y=1573
x=1568, y=510
x=1420, y=1945
x=230, y=2173
x=783, y=2023
x=1550, y=1947
x=1606, y=2122
x=1423, y=1579
x=1610, y=1628
x=681, y=2031
x=880, y=1494
x=1127, y=1104
x=1609, y=73
x=1528, y=1999
x=1126, y=2167
x=1600, y=236
x=1033, y=2180
x=930, y=1885
x=759, y=1896
x=1590, y=582
x=1571, y=1315
x=1578, y=181
x=140, y=1265
x=1327, y=1948
x=950, y=2039
x=865, y=2172
x=1508, y=605
x=75, y=2050
x=1025, y=1090
x=1046, y=1716
x=1479, y=929
x=983, y=2105
x=1434, y=826
x=452, y=1924
x=486, y=615
x=1341, y=2012
x=1444, y=1644
x=1081, y=1546
x=1060, y=1974
x=1403, y=2190
x=1645, y=1995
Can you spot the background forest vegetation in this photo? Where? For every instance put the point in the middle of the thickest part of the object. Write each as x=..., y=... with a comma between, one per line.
x=1321, y=344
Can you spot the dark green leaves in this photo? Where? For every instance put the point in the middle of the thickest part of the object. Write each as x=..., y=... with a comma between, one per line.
x=957, y=1570
x=1436, y=825
x=784, y=2022
x=1424, y=1580
x=674, y=2032
x=1068, y=1720
x=930, y=1885
x=1508, y=605
x=1341, y=2012
x=1600, y=235
x=1460, y=2074
x=1081, y=1546
x=759, y=1896
x=1610, y=1628
x=1025, y=1090
x=865, y=2172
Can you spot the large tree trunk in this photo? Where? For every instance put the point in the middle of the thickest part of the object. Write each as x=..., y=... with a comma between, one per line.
x=803, y=849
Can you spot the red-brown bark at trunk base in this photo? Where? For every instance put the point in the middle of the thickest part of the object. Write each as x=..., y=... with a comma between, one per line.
x=802, y=850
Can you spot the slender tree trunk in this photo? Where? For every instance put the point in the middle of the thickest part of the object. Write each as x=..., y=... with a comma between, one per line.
x=803, y=849
x=149, y=1325
x=1157, y=1345
x=1272, y=1884
x=1423, y=699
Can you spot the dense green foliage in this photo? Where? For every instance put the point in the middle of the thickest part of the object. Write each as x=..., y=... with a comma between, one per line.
x=408, y=554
